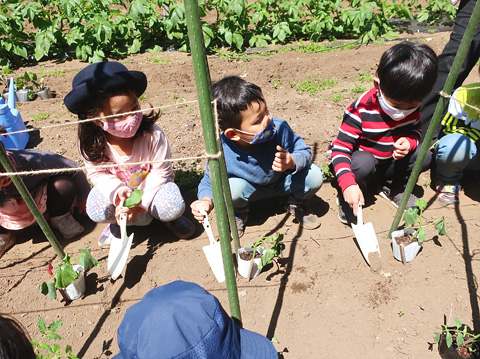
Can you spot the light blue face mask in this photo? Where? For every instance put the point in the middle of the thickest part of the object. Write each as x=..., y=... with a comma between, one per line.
x=266, y=135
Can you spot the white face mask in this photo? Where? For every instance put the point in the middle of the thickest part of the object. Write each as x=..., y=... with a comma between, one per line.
x=393, y=112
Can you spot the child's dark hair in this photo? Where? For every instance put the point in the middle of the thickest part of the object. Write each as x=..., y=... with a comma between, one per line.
x=14, y=341
x=234, y=95
x=407, y=71
x=92, y=137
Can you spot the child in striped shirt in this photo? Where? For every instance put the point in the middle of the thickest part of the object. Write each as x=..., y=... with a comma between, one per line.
x=379, y=137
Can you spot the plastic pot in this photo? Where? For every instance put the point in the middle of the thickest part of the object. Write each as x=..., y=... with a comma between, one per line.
x=244, y=265
x=77, y=288
x=411, y=249
x=22, y=95
x=45, y=93
x=451, y=353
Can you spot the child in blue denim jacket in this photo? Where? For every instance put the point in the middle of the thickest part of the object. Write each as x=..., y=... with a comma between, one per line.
x=264, y=157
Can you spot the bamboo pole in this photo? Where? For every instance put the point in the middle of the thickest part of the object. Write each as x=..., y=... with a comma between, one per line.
x=442, y=102
x=27, y=197
x=205, y=98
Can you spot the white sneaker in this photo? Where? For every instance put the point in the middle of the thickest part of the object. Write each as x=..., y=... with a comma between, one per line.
x=67, y=225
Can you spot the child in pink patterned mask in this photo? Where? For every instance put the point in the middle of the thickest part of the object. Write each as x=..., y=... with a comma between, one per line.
x=120, y=133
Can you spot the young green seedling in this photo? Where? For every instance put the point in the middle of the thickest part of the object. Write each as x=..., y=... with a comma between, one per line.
x=65, y=273
x=412, y=217
x=273, y=248
x=463, y=337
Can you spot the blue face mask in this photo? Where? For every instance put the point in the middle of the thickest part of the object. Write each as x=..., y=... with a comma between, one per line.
x=266, y=135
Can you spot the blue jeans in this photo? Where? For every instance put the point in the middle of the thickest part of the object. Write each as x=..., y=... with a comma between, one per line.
x=455, y=153
x=301, y=186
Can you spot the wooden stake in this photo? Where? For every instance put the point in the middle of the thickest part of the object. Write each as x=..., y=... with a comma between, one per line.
x=402, y=250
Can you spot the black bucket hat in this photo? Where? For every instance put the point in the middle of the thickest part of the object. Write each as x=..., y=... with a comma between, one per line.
x=102, y=76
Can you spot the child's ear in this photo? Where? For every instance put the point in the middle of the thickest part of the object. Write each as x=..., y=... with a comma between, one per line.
x=231, y=134
x=376, y=83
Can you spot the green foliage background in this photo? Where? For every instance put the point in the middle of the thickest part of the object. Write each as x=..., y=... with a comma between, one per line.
x=91, y=30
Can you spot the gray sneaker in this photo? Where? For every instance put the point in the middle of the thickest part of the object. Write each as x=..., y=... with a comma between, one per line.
x=241, y=221
x=345, y=212
x=304, y=216
x=395, y=199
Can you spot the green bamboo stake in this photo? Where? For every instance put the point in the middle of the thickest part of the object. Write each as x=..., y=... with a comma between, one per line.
x=205, y=98
x=27, y=197
x=228, y=203
x=442, y=102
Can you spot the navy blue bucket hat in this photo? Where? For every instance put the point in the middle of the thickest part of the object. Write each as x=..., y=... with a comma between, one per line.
x=182, y=320
x=102, y=76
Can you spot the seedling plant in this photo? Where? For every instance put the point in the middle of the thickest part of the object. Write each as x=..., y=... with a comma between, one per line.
x=52, y=351
x=65, y=273
x=413, y=217
x=460, y=334
x=272, y=248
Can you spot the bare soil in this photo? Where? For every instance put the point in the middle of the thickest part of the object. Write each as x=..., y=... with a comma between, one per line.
x=322, y=300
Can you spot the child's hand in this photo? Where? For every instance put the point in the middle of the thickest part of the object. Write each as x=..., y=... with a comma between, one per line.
x=353, y=195
x=283, y=160
x=122, y=195
x=207, y=206
x=402, y=147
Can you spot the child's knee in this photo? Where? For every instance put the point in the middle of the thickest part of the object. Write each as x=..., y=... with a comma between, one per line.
x=98, y=208
x=168, y=203
x=314, y=179
x=455, y=148
x=239, y=189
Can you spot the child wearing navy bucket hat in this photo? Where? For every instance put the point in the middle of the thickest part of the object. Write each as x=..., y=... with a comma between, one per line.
x=182, y=320
x=121, y=134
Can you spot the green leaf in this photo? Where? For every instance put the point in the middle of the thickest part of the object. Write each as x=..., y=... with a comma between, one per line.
x=422, y=234
x=41, y=325
x=56, y=348
x=55, y=325
x=46, y=347
x=440, y=227
x=458, y=323
x=44, y=288
x=460, y=339
x=86, y=260
x=421, y=203
x=448, y=339
x=411, y=216
x=437, y=337
x=52, y=291
x=134, y=199
x=53, y=336
x=65, y=276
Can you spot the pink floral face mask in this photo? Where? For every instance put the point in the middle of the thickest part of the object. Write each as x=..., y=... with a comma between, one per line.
x=126, y=128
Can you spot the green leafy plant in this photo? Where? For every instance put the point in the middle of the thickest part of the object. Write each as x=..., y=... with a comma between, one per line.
x=458, y=335
x=92, y=30
x=187, y=178
x=28, y=81
x=41, y=116
x=413, y=216
x=134, y=199
x=43, y=349
x=313, y=85
x=65, y=273
x=272, y=248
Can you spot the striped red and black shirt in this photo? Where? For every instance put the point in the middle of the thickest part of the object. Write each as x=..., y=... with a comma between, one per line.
x=365, y=127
